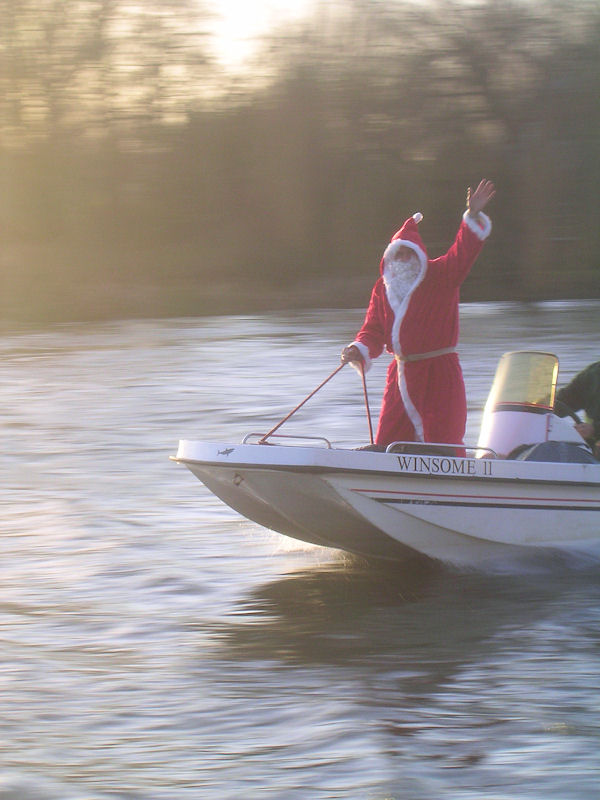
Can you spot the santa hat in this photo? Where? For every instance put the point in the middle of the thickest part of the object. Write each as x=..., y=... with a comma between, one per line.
x=407, y=236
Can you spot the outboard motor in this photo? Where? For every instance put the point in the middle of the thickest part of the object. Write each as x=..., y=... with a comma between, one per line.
x=519, y=409
x=557, y=452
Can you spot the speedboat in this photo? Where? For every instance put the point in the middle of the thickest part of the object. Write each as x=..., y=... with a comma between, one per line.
x=529, y=482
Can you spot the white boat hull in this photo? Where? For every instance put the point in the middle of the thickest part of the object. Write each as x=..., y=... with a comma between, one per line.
x=383, y=505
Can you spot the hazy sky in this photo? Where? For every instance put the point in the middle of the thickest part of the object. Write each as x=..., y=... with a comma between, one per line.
x=238, y=22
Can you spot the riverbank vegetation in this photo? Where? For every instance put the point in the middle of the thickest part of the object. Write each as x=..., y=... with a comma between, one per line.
x=140, y=178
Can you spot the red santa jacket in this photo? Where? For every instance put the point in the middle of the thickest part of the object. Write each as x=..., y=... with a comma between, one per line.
x=426, y=319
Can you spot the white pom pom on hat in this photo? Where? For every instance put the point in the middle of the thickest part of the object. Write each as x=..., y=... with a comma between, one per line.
x=417, y=217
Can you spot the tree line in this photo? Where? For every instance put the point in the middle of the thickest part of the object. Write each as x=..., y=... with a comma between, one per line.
x=140, y=178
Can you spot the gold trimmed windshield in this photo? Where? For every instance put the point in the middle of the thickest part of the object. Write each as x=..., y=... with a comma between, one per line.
x=525, y=378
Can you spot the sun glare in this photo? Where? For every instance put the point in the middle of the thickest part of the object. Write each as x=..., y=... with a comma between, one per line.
x=239, y=23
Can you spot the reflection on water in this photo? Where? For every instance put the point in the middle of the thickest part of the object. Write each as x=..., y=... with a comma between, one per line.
x=408, y=675
x=155, y=645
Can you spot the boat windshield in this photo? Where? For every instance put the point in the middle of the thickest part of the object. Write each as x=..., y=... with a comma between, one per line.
x=524, y=379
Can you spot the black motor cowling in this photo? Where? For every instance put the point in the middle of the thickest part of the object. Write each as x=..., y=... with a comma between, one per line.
x=558, y=452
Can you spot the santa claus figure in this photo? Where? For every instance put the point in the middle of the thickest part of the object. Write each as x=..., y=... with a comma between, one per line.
x=413, y=314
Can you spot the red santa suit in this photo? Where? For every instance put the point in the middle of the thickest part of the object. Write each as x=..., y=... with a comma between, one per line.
x=413, y=313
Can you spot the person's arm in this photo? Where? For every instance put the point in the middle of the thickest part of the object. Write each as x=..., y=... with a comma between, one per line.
x=452, y=268
x=572, y=396
x=350, y=353
x=592, y=405
x=583, y=392
x=370, y=340
x=478, y=200
x=587, y=431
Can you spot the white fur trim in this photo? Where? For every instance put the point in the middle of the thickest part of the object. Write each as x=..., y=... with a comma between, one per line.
x=364, y=351
x=391, y=251
x=410, y=407
x=481, y=225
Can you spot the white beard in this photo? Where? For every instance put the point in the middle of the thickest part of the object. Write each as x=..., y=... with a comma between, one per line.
x=400, y=278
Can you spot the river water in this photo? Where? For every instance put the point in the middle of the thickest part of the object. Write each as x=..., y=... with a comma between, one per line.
x=157, y=646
